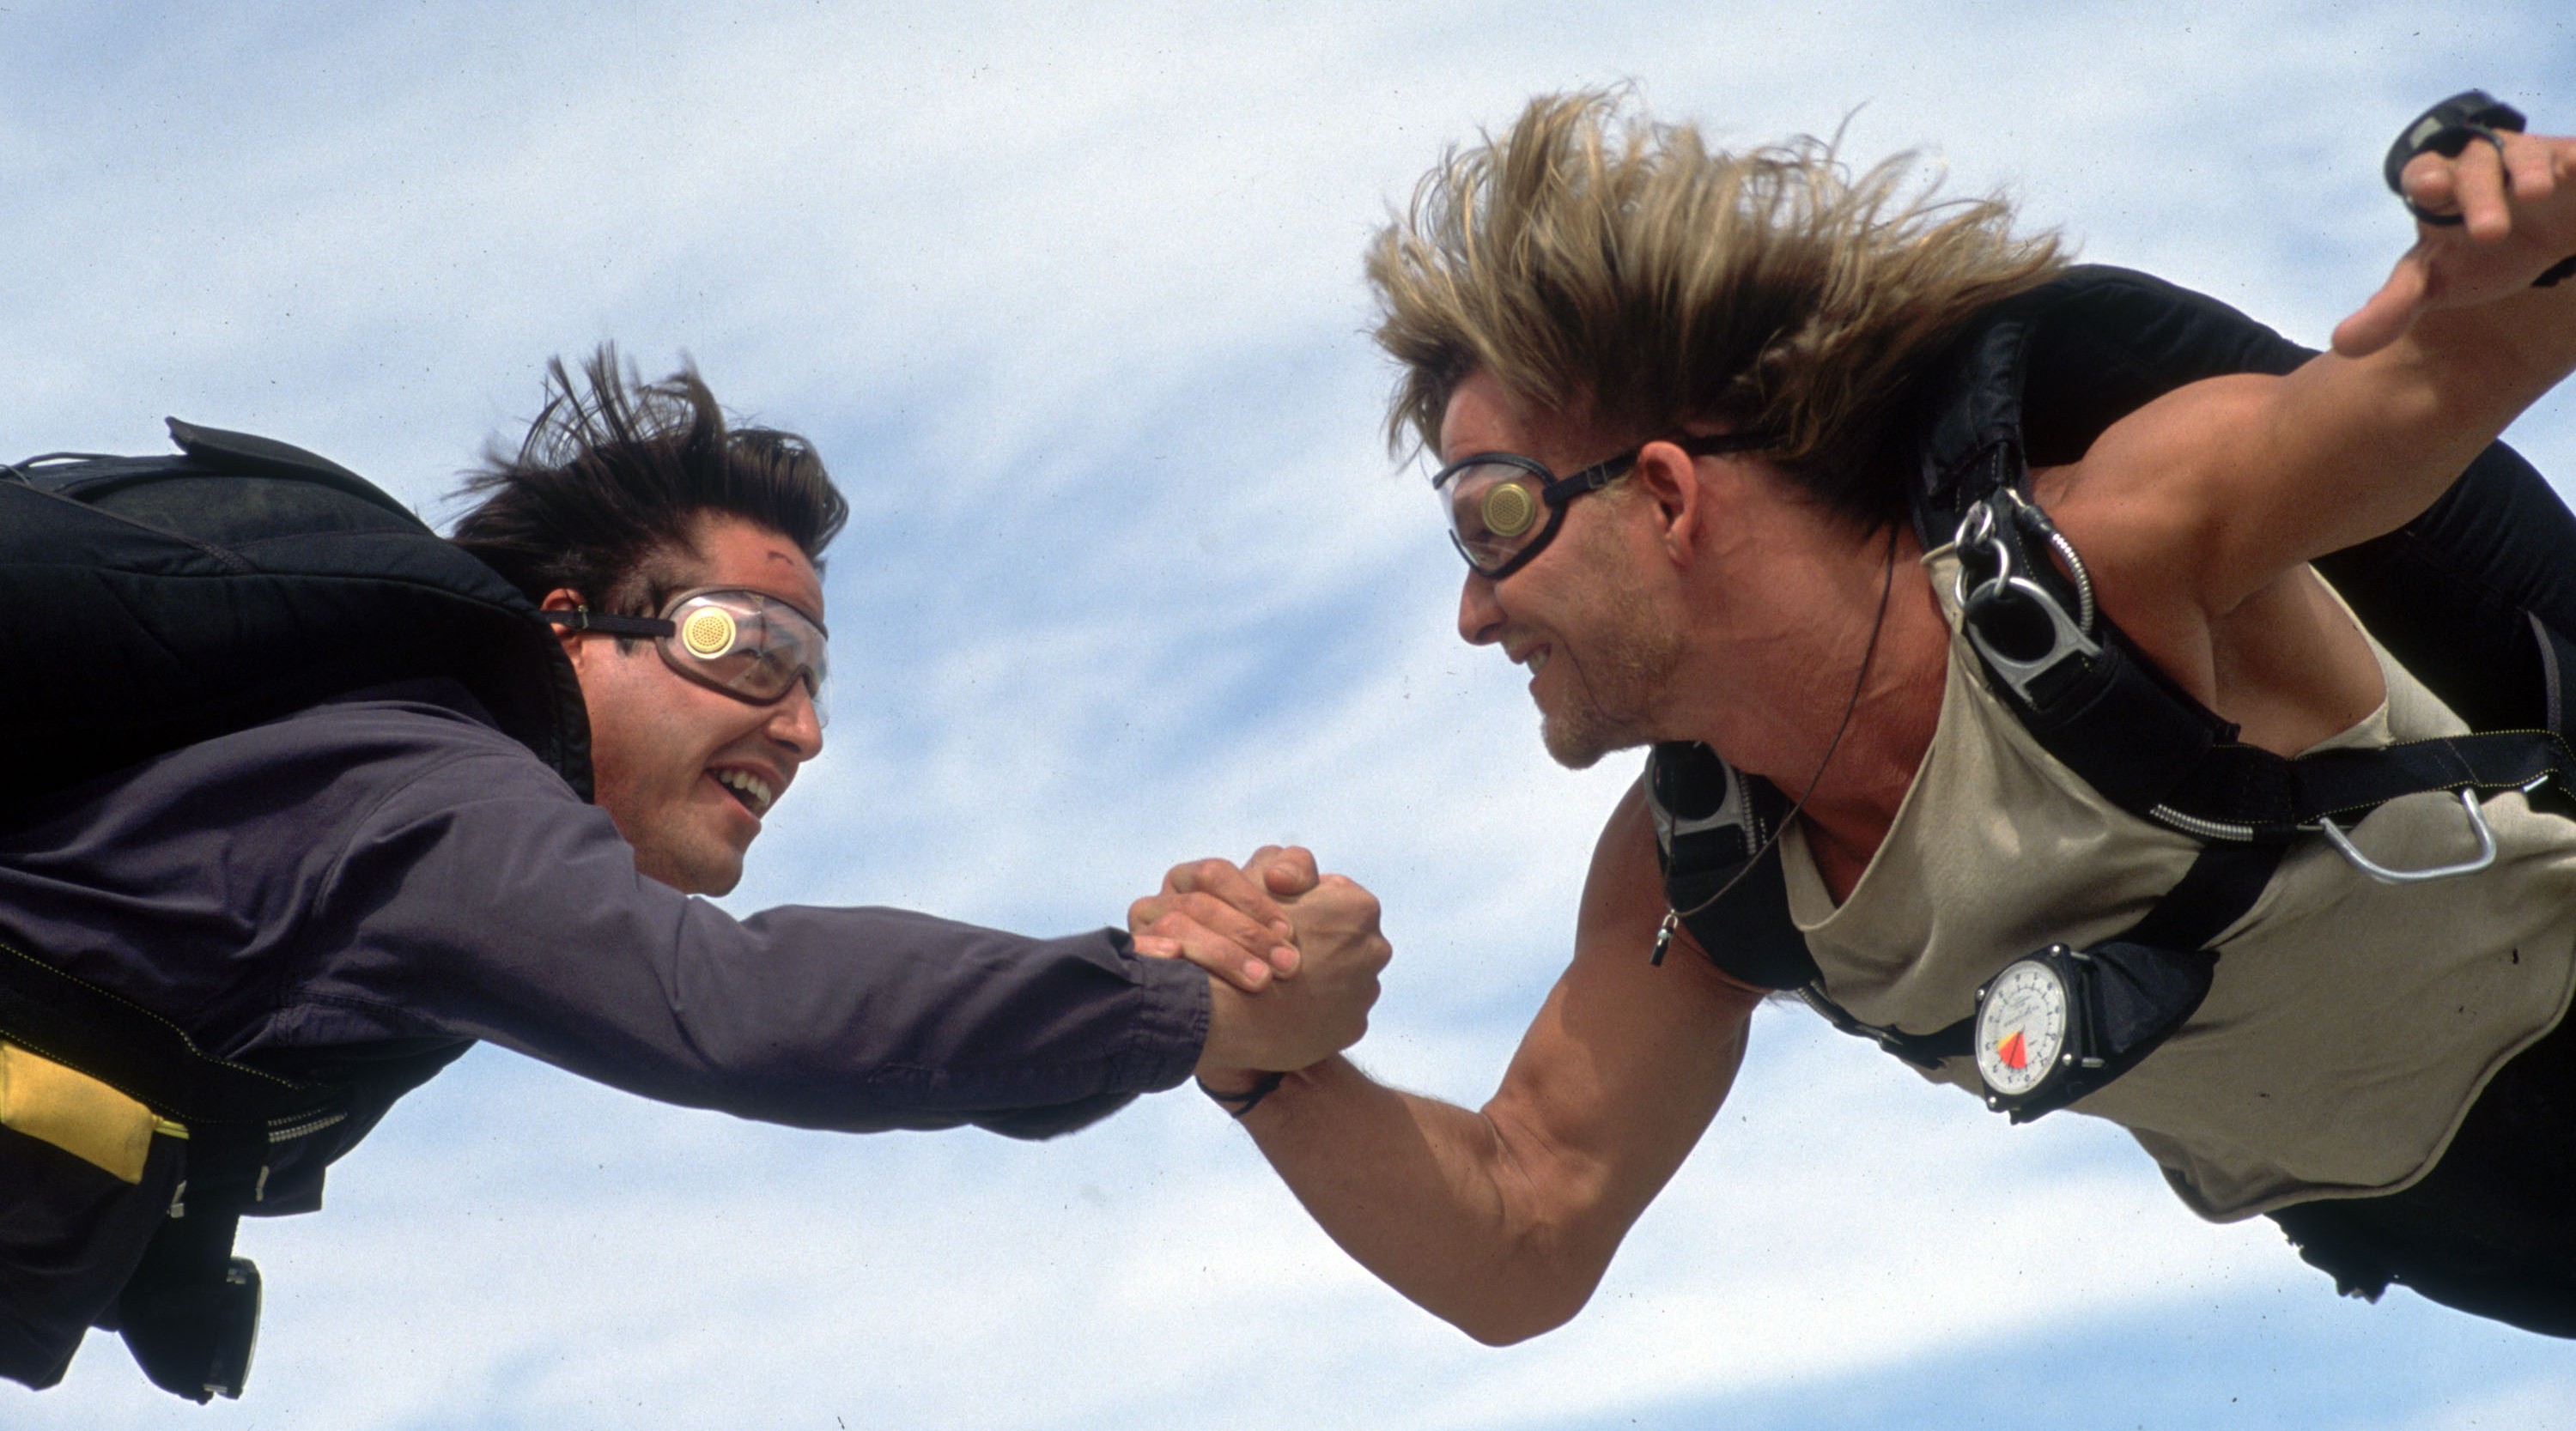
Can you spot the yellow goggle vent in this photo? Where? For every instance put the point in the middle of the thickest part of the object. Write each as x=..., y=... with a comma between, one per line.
x=1509, y=510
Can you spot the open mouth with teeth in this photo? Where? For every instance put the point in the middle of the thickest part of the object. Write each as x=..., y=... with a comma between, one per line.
x=752, y=791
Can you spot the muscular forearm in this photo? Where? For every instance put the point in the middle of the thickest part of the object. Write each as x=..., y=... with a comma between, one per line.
x=2391, y=431
x=2229, y=483
x=1438, y=1201
x=2221, y=486
x=1501, y=1221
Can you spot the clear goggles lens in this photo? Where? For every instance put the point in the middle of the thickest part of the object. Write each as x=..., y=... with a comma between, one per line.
x=1495, y=509
x=746, y=644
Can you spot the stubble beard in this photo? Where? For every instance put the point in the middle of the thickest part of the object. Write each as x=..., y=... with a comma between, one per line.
x=1625, y=671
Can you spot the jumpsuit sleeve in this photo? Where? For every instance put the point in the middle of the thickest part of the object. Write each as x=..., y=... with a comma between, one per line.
x=485, y=900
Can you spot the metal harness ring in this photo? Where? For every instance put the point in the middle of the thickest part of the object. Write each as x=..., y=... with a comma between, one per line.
x=2485, y=856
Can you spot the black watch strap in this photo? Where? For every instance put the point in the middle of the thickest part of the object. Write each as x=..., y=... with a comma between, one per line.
x=2446, y=129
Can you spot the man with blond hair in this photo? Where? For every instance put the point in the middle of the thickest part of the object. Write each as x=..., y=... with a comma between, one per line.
x=1971, y=603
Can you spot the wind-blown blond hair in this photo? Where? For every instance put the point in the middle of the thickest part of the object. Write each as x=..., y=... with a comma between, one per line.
x=1602, y=264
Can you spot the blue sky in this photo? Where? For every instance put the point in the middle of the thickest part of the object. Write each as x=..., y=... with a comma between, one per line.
x=1069, y=299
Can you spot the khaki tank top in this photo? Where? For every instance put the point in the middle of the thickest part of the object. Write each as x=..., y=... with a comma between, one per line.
x=2351, y=1023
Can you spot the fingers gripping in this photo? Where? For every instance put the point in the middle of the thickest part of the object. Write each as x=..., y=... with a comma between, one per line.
x=1326, y=1008
x=1286, y=871
x=1209, y=913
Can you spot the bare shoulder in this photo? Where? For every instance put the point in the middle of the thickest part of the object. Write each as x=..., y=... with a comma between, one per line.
x=2150, y=503
x=1623, y=906
x=2202, y=564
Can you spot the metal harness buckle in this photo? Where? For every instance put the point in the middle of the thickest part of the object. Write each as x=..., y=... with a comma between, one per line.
x=2069, y=636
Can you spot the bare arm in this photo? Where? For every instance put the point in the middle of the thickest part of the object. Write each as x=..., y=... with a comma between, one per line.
x=2207, y=496
x=1503, y=1220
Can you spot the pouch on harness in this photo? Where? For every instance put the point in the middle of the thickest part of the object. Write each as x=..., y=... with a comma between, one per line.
x=2476, y=597
x=154, y=602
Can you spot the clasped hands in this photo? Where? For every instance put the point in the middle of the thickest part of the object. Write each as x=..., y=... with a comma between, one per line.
x=1294, y=956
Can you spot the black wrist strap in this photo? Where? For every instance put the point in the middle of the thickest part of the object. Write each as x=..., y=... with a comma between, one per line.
x=2556, y=273
x=2446, y=129
x=1239, y=1104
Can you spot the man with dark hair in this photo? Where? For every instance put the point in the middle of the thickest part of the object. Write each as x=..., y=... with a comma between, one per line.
x=1998, y=709
x=627, y=507
x=347, y=897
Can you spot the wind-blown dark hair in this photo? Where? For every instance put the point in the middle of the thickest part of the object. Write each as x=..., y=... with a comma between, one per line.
x=612, y=474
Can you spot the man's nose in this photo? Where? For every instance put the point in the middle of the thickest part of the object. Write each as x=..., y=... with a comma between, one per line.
x=796, y=724
x=1480, y=616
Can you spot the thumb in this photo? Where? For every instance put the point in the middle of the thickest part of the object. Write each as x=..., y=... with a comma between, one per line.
x=2388, y=314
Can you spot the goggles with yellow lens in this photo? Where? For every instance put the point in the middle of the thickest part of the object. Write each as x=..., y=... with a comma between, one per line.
x=747, y=644
x=1505, y=508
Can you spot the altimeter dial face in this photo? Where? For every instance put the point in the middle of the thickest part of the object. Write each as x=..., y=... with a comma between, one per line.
x=2021, y=1028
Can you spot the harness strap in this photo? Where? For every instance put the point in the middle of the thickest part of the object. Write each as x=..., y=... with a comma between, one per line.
x=2272, y=799
x=141, y=1054
x=190, y=1310
x=1710, y=820
x=2214, y=893
x=1924, y=1051
x=1711, y=823
x=2082, y=691
x=2222, y=883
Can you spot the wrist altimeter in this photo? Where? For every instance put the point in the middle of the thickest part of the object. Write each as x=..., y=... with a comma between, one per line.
x=2057, y=1024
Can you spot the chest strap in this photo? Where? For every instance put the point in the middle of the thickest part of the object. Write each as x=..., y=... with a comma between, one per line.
x=1710, y=821
x=2084, y=693
x=1713, y=829
x=2152, y=975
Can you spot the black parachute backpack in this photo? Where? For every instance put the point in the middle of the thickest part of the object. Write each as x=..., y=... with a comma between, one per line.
x=156, y=601
x=2476, y=597
x=153, y=602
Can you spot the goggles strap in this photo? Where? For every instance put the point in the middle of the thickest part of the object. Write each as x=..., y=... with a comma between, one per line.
x=585, y=619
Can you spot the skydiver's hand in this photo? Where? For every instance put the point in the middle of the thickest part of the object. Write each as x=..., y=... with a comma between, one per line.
x=1216, y=916
x=1299, y=1022
x=1286, y=871
x=2519, y=217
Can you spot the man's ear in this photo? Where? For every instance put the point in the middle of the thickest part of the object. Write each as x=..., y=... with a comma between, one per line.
x=1669, y=477
x=564, y=598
